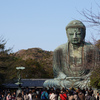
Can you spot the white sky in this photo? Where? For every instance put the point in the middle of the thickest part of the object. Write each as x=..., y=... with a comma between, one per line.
x=41, y=23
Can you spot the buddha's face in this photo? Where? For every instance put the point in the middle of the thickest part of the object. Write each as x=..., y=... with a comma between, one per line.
x=75, y=35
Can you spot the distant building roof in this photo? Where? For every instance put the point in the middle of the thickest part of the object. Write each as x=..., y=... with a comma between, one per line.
x=31, y=83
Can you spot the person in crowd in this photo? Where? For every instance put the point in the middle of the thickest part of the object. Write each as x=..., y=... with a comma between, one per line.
x=36, y=97
x=81, y=96
x=8, y=97
x=27, y=89
x=67, y=91
x=39, y=95
x=63, y=95
x=13, y=96
x=59, y=97
x=71, y=96
x=52, y=95
x=75, y=96
x=90, y=91
x=86, y=91
x=93, y=97
x=44, y=94
x=3, y=97
x=19, y=97
x=26, y=96
x=83, y=91
x=98, y=96
x=30, y=95
x=23, y=95
x=33, y=94
x=87, y=96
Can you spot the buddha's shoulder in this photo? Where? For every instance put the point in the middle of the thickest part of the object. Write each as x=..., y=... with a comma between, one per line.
x=88, y=45
x=62, y=47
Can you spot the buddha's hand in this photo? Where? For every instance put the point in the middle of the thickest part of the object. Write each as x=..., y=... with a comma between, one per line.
x=87, y=76
x=61, y=76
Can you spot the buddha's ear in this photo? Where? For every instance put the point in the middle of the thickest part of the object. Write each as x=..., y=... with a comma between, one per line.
x=67, y=34
x=83, y=34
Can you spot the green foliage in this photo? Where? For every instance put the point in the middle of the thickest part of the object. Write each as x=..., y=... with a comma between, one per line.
x=4, y=58
x=35, y=69
x=95, y=77
x=37, y=63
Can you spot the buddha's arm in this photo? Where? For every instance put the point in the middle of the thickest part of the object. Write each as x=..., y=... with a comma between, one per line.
x=57, y=64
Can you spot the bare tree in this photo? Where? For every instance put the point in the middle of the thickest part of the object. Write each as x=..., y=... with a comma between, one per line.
x=93, y=20
x=91, y=17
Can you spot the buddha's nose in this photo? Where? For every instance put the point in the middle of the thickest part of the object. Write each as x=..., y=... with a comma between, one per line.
x=75, y=36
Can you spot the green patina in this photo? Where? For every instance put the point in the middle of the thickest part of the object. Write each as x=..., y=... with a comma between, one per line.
x=70, y=60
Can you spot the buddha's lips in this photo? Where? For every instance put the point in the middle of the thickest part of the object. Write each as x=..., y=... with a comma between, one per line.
x=75, y=39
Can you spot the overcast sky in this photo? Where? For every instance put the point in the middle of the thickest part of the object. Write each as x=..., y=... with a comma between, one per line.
x=41, y=23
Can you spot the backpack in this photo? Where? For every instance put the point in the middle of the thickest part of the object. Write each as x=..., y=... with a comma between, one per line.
x=43, y=96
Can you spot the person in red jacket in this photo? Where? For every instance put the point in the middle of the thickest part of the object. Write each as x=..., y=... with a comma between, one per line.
x=63, y=95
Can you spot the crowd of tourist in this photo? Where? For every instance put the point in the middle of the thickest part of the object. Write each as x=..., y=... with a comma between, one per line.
x=50, y=94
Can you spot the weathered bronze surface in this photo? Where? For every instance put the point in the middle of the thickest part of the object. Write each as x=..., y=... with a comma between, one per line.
x=71, y=60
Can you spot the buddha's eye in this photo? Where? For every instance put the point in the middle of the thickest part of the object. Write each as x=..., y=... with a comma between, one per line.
x=71, y=33
x=78, y=33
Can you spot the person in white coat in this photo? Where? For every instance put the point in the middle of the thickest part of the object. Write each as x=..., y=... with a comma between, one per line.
x=52, y=96
x=30, y=95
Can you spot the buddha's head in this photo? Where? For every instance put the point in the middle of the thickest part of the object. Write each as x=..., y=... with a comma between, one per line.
x=75, y=32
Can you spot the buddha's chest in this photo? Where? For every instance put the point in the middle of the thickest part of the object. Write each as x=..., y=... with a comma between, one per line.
x=76, y=56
